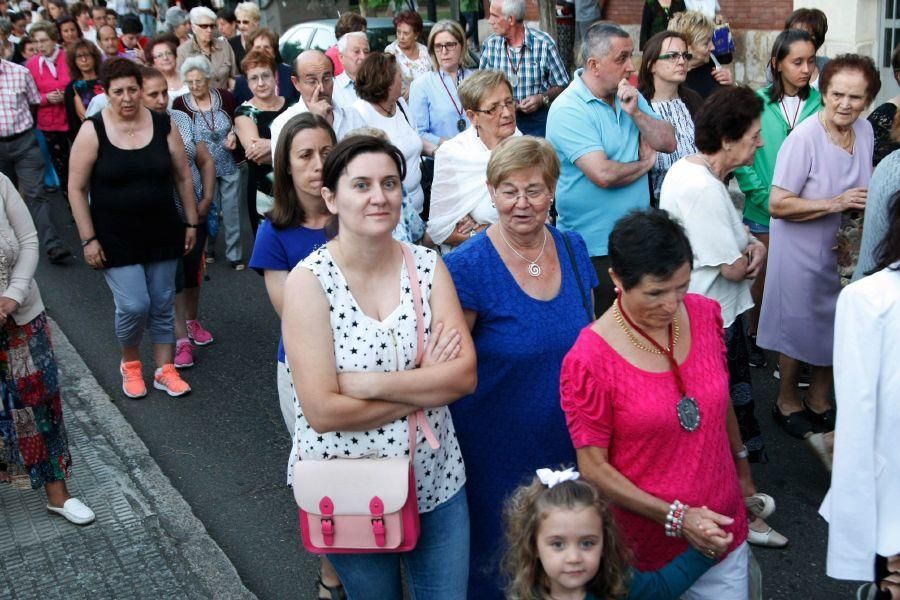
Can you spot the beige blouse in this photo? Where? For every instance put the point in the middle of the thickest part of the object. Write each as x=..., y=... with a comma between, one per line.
x=19, y=254
x=222, y=58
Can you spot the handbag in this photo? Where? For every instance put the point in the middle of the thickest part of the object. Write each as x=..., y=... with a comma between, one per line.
x=723, y=40
x=365, y=505
x=585, y=302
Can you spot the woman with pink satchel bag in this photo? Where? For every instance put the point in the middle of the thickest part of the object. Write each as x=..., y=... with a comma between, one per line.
x=380, y=478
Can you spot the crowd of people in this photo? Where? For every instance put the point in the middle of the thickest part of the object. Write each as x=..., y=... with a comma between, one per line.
x=521, y=269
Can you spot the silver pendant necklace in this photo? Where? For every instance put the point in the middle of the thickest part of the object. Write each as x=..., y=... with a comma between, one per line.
x=534, y=269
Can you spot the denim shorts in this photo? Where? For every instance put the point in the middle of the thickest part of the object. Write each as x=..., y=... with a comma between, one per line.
x=756, y=228
x=438, y=568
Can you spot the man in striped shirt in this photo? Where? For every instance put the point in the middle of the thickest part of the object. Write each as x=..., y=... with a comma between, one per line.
x=530, y=60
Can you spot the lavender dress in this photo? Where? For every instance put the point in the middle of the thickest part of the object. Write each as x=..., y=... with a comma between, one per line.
x=802, y=282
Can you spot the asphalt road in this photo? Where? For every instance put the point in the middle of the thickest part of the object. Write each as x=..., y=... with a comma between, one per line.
x=225, y=446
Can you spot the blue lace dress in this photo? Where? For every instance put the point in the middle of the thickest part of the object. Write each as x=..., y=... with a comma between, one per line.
x=513, y=423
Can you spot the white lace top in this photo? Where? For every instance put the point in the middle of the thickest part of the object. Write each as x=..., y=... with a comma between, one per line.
x=362, y=343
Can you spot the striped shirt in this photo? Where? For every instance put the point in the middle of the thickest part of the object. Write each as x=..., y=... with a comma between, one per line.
x=535, y=67
x=17, y=92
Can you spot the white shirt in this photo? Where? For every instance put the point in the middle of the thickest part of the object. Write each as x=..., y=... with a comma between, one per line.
x=862, y=505
x=344, y=92
x=401, y=130
x=702, y=204
x=345, y=120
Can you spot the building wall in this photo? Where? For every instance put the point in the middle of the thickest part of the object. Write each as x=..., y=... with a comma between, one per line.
x=741, y=14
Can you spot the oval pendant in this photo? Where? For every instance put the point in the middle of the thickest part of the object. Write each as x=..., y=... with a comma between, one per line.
x=534, y=270
x=513, y=80
x=688, y=413
x=461, y=125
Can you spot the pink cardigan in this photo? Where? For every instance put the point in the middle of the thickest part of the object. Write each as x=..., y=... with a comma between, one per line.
x=610, y=403
x=50, y=117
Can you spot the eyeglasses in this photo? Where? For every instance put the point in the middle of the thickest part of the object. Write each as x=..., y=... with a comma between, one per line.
x=243, y=22
x=311, y=81
x=532, y=194
x=205, y=25
x=674, y=56
x=497, y=109
x=261, y=78
x=164, y=54
x=445, y=47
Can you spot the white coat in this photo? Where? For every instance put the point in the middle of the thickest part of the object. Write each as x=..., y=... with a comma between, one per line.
x=863, y=505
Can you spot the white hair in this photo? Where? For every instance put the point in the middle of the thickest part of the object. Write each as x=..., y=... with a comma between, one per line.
x=199, y=13
x=514, y=9
x=248, y=8
x=198, y=62
x=342, y=43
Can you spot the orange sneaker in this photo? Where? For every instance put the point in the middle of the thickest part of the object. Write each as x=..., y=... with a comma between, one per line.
x=132, y=379
x=169, y=380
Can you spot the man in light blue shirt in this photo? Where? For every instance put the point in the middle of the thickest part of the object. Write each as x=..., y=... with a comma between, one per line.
x=607, y=137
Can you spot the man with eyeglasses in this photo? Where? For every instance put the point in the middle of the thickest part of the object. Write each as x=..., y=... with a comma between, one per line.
x=530, y=60
x=353, y=48
x=247, y=17
x=607, y=137
x=206, y=42
x=314, y=79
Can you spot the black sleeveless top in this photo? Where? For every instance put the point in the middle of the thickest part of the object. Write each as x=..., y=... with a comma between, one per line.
x=134, y=216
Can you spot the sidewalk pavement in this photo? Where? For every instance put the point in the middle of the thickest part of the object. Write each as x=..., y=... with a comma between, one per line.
x=145, y=543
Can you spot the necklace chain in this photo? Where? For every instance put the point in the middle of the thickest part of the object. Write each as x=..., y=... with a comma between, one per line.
x=834, y=141
x=633, y=338
x=534, y=269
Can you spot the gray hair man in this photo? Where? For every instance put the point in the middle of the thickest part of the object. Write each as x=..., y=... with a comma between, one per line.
x=607, y=137
x=530, y=60
x=353, y=48
x=314, y=79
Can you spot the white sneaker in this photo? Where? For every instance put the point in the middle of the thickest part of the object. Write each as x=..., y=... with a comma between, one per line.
x=75, y=511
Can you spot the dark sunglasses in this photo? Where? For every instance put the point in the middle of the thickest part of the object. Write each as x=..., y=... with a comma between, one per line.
x=205, y=25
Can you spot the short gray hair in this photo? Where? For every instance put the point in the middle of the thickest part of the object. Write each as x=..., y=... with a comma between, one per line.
x=198, y=62
x=248, y=8
x=514, y=9
x=175, y=17
x=201, y=12
x=5, y=26
x=598, y=40
x=342, y=43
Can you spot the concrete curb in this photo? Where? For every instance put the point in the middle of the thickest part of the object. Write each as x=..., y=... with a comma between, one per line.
x=197, y=560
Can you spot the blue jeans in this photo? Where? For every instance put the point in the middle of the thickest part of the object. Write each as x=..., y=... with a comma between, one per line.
x=144, y=295
x=756, y=227
x=438, y=569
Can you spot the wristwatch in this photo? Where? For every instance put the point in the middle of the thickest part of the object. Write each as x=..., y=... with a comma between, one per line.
x=546, y=99
x=88, y=241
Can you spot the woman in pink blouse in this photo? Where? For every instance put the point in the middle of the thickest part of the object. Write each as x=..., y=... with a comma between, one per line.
x=645, y=392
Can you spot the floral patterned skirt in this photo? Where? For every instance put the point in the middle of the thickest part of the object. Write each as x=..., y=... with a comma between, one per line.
x=33, y=444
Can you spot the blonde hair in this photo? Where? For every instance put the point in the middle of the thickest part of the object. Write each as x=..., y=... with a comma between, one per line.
x=522, y=152
x=476, y=85
x=453, y=28
x=523, y=513
x=694, y=25
x=368, y=131
x=250, y=9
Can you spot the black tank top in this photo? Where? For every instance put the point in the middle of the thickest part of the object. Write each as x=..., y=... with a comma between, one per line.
x=134, y=216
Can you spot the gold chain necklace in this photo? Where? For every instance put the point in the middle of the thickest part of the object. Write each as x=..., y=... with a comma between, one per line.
x=636, y=342
x=844, y=147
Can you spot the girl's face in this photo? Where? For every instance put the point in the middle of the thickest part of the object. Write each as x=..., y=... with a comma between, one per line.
x=69, y=32
x=798, y=66
x=29, y=50
x=570, y=546
x=54, y=11
x=309, y=149
x=671, y=65
x=368, y=196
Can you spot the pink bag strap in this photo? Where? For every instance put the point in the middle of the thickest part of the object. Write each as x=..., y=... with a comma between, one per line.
x=418, y=417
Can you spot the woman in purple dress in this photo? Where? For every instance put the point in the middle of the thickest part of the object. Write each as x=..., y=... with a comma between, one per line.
x=822, y=171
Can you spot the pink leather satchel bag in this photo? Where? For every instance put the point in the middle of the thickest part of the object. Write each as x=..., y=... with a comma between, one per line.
x=364, y=505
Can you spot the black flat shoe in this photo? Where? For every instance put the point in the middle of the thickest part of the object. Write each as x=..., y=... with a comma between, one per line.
x=821, y=422
x=796, y=424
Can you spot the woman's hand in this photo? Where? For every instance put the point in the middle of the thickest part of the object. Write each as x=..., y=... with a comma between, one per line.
x=756, y=257
x=852, y=199
x=260, y=149
x=723, y=76
x=442, y=346
x=7, y=307
x=230, y=142
x=94, y=255
x=702, y=529
x=55, y=97
x=465, y=225
x=190, y=238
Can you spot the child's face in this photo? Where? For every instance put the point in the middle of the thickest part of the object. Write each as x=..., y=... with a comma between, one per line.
x=570, y=545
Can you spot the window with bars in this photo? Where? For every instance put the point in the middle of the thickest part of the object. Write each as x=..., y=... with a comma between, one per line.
x=891, y=30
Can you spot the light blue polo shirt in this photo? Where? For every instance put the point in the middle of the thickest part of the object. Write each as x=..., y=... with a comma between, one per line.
x=580, y=123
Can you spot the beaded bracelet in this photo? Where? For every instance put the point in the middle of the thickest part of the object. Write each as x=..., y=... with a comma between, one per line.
x=675, y=519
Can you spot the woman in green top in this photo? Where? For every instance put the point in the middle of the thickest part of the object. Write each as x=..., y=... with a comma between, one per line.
x=786, y=102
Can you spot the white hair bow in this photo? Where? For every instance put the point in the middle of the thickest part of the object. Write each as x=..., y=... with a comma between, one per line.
x=549, y=477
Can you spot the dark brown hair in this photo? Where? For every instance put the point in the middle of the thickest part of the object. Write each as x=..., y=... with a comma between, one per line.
x=168, y=39
x=411, y=18
x=119, y=68
x=258, y=58
x=72, y=52
x=286, y=210
x=780, y=49
x=271, y=36
x=852, y=62
x=523, y=513
x=652, y=50
x=375, y=76
x=351, y=147
x=725, y=116
x=349, y=21
x=814, y=19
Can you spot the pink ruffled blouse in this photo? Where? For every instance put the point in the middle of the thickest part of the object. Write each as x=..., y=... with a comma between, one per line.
x=610, y=403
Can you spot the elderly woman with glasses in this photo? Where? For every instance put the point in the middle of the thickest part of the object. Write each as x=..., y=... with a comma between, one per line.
x=434, y=97
x=461, y=205
x=212, y=112
x=160, y=54
x=525, y=289
x=207, y=44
